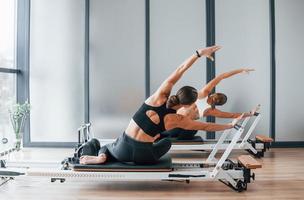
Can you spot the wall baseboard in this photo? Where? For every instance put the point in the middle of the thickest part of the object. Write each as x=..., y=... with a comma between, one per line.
x=289, y=144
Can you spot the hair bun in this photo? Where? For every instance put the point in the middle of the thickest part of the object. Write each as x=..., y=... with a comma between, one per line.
x=172, y=101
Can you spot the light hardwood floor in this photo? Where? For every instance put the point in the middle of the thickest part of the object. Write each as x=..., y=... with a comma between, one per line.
x=281, y=177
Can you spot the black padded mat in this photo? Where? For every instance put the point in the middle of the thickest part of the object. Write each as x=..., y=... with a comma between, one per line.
x=164, y=164
x=195, y=140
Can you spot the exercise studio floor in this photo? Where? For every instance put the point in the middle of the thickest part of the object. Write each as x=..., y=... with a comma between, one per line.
x=280, y=178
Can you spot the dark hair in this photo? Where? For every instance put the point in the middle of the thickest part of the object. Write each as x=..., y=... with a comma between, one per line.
x=186, y=95
x=218, y=99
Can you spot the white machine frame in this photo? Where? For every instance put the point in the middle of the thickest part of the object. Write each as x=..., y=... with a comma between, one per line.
x=235, y=176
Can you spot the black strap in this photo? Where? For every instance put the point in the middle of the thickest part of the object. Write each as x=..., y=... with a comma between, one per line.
x=198, y=55
x=237, y=126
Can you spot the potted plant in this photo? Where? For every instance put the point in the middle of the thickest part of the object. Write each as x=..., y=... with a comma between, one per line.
x=18, y=114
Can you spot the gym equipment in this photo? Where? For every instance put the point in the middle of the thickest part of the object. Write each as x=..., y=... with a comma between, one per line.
x=233, y=174
x=255, y=147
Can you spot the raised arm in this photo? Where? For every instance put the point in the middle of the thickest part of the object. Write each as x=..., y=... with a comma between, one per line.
x=167, y=85
x=179, y=121
x=208, y=88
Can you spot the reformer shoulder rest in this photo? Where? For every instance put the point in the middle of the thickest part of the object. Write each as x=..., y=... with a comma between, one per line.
x=163, y=165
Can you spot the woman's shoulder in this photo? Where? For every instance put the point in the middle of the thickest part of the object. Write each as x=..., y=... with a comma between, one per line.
x=174, y=117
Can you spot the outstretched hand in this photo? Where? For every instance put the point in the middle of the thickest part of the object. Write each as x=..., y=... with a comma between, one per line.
x=208, y=51
x=236, y=120
x=254, y=110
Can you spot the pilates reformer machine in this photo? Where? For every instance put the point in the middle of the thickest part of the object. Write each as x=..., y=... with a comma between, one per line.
x=236, y=175
x=257, y=147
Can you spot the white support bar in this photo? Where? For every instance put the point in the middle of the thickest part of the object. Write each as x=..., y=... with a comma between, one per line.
x=252, y=127
x=227, y=152
x=220, y=142
x=250, y=147
x=224, y=135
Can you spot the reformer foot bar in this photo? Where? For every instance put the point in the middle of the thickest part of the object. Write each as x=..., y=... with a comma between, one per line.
x=255, y=147
x=233, y=174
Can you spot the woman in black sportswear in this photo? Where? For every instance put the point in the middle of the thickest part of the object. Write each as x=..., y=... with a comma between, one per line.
x=157, y=114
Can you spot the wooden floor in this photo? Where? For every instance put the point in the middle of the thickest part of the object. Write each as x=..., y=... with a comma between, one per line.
x=281, y=177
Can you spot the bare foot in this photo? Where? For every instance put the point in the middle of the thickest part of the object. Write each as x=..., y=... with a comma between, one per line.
x=85, y=160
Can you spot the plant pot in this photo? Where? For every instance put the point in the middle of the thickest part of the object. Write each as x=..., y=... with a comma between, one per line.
x=18, y=142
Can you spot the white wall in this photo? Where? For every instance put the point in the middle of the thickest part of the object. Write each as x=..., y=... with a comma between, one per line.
x=117, y=64
x=289, y=70
x=177, y=29
x=175, y=37
x=56, y=69
x=242, y=28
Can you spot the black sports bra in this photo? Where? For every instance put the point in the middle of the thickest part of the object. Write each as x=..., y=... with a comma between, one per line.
x=146, y=124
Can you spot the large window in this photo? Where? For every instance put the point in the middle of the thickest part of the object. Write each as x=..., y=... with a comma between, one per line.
x=289, y=70
x=56, y=69
x=117, y=64
x=7, y=33
x=246, y=44
x=8, y=70
x=174, y=37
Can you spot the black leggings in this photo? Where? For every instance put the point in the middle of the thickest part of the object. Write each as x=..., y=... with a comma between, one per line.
x=179, y=133
x=126, y=149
